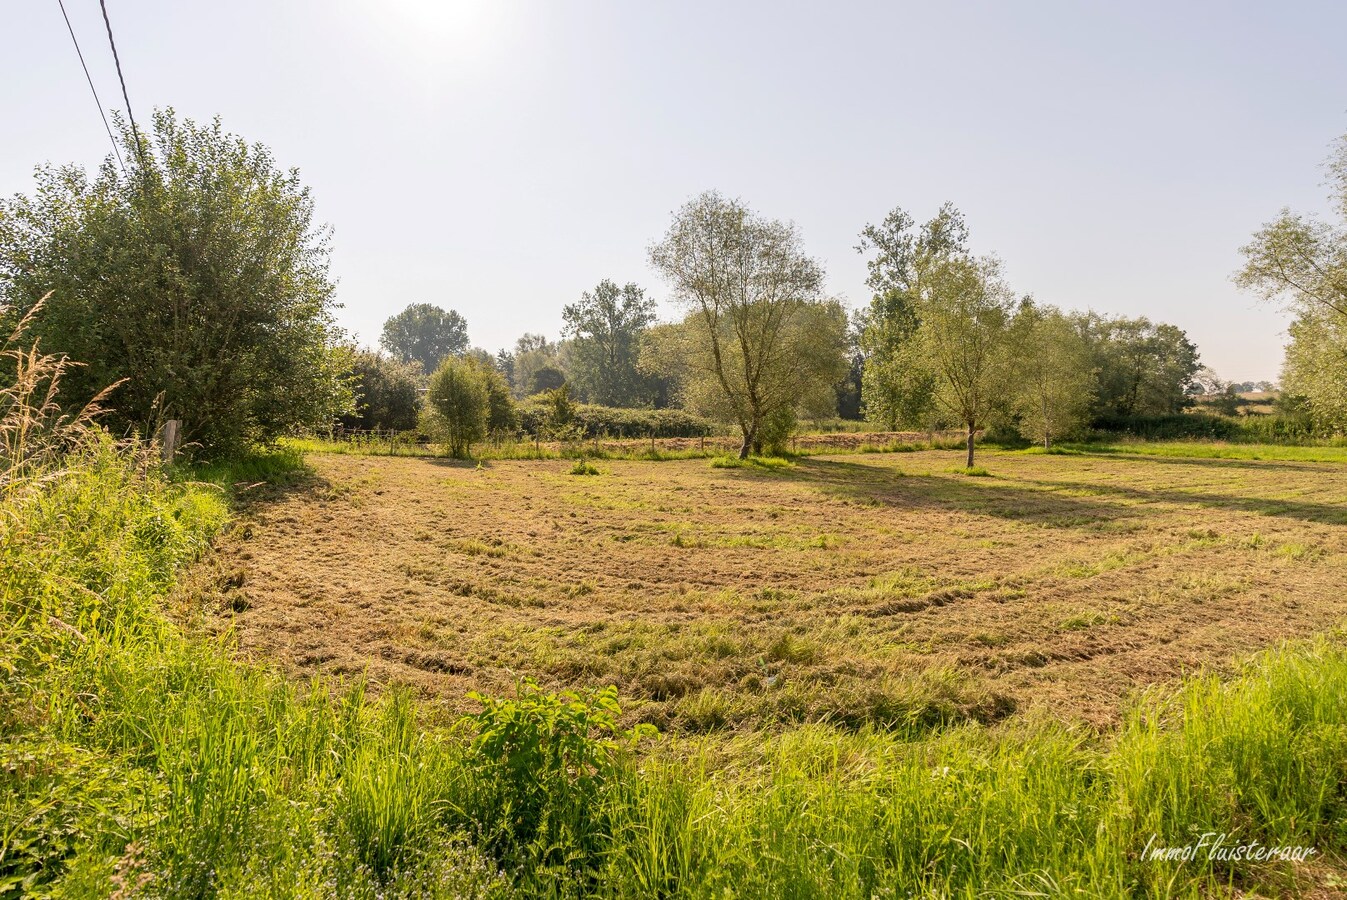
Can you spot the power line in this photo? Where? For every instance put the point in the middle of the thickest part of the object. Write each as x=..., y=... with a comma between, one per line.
x=140, y=154
x=115, y=149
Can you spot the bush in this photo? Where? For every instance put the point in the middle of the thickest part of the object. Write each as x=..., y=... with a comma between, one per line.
x=776, y=431
x=613, y=422
x=583, y=467
x=538, y=767
x=457, y=400
x=387, y=393
x=198, y=278
x=1277, y=429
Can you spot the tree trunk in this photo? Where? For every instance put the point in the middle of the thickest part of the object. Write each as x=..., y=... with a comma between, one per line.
x=971, y=430
x=747, y=445
x=1047, y=440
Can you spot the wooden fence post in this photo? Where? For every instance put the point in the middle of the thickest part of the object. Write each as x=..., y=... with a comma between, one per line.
x=168, y=439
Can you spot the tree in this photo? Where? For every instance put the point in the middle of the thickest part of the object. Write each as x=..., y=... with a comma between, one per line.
x=1301, y=262
x=1315, y=362
x=458, y=403
x=897, y=388
x=1144, y=368
x=425, y=334
x=198, y=275
x=758, y=328
x=605, y=327
x=1051, y=368
x=532, y=354
x=965, y=308
x=501, y=416
x=387, y=392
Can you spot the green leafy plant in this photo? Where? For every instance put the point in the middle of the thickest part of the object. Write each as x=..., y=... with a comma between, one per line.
x=583, y=467
x=538, y=766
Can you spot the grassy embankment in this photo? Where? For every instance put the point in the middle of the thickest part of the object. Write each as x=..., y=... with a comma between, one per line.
x=137, y=758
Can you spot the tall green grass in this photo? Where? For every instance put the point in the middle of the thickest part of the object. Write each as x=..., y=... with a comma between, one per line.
x=135, y=756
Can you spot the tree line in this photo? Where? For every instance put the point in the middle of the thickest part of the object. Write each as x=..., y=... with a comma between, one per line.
x=197, y=280
x=945, y=342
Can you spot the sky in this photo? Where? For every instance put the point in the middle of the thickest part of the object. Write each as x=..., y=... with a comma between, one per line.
x=500, y=158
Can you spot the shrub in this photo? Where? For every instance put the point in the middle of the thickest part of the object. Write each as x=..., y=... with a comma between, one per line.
x=583, y=467
x=387, y=393
x=198, y=277
x=777, y=428
x=538, y=767
x=608, y=421
x=457, y=399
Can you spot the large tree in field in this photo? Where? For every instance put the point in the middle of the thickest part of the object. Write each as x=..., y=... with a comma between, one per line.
x=197, y=275
x=965, y=308
x=897, y=387
x=1052, y=374
x=425, y=334
x=605, y=328
x=756, y=322
x=1301, y=262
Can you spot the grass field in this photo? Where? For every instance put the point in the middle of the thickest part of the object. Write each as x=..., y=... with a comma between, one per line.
x=863, y=589
x=821, y=641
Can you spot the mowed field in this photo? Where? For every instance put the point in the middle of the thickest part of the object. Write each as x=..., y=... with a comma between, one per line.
x=880, y=589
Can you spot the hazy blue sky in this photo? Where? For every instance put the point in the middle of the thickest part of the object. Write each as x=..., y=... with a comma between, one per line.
x=500, y=158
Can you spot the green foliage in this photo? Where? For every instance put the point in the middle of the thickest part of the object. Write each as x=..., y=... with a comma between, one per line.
x=199, y=278
x=583, y=467
x=129, y=751
x=533, y=366
x=776, y=429
x=965, y=310
x=1051, y=368
x=898, y=384
x=1315, y=362
x=387, y=393
x=501, y=416
x=759, y=462
x=758, y=337
x=425, y=335
x=608, y=421
x=559, y=421
x=1143, y=368
x=538, y=768
x=605, y=327
x=457, y=401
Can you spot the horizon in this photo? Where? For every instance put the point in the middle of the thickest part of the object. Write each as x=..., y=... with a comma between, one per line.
x=523, y=154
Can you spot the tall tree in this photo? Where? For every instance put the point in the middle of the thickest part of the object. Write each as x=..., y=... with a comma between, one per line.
x=198, y=276
x=1316, y=360
x=1052, y=374
x=897, y=387
x=1301, y=261
x=965, y=308
x=605, y=328
x=756, y=312
x=425, y=334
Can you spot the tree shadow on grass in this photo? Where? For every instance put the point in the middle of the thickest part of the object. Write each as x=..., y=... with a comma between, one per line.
x=1209, y=462
x=1308, y=511
x=882, y=486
